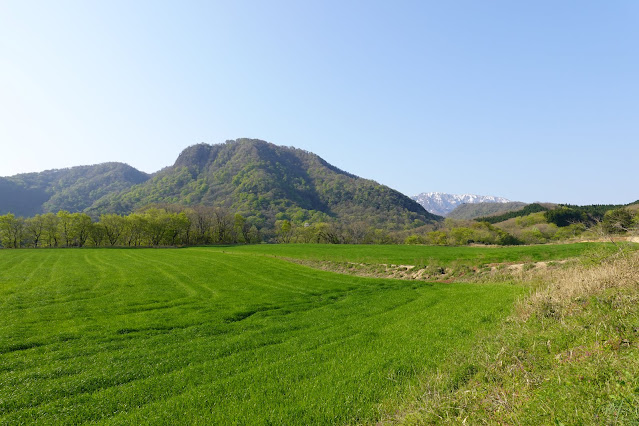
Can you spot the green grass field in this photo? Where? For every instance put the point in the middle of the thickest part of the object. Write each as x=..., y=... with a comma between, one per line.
x=228, y=335
x=419, y=255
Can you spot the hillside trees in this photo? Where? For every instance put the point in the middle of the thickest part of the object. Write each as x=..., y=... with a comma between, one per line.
x=564, y=216
x=617, y=221
x=526, y=210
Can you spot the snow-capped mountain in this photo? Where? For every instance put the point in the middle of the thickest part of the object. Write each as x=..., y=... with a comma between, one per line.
x=441, y=203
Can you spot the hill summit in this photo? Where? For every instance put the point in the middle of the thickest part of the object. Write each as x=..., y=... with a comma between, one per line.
x=266, y=182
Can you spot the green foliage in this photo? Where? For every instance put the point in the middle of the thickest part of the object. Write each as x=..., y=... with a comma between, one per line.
x=476, y=210
x=284, y=231
x=530, y=208
x=564, y=216
x=415, y=239
x=74, y=189
x=113, y=226
x=152, y=226
x=569, y=231
x=11, y=230
x=459, y=233
x=618, y=221
x=438, y=238
x=594, y=212
x=531, y=219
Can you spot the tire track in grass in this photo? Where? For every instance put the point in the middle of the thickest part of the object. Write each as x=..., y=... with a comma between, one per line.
x=171, y=277
x=280, y=265
x=16, y=334
x=26, y=283
x=306, y=273
x=235, y=353
x=10, y=260
x=237, y=377
x=227, y=260
x=8, y=283
x=128, y=280
x=98, y=263
x=181, y=271
x=171, y=376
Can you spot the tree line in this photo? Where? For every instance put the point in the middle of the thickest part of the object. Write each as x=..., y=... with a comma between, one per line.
x=525, y=211
x=171, y=225
x=154, y=226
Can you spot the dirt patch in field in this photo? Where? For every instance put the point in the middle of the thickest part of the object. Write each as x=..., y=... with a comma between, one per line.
x=448, y=273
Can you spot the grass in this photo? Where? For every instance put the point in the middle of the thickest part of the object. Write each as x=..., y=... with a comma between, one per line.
x=222, y=336
x=422, y=255
x=239, y=335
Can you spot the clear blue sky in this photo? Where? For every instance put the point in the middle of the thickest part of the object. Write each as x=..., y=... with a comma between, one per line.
x=534, y=100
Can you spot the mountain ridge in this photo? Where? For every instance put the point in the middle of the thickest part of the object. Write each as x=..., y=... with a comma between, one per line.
x=262, y=181
x=74, y=188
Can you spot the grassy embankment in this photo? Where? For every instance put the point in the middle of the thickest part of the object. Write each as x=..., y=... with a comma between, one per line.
x=568, y=355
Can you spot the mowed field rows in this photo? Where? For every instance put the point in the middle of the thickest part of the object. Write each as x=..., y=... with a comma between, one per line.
x=219, y=335
x=420, y=255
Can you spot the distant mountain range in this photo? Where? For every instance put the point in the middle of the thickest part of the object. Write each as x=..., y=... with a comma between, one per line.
x=443, y=204
x=262, y=181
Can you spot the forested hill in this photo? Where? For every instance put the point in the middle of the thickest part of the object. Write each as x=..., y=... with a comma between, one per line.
x=74, y=189
x=265, y=182
x=472, y=211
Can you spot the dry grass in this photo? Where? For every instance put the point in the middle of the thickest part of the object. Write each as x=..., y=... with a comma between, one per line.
x=565, y=288
x=569, y=354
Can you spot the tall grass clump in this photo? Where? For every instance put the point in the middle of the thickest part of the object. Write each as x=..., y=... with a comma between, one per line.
x=567, y=290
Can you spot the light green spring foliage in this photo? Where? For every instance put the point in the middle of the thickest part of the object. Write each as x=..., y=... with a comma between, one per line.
x=211, y=336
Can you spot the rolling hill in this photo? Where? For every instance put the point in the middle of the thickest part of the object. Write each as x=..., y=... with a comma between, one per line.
x=262, y=181
x=472, y=211
x=74, y=189
x=265, y=182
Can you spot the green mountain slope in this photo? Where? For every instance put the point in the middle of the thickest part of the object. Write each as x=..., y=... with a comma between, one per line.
x=73, y=189
x=472, y=211
x=266, y=182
